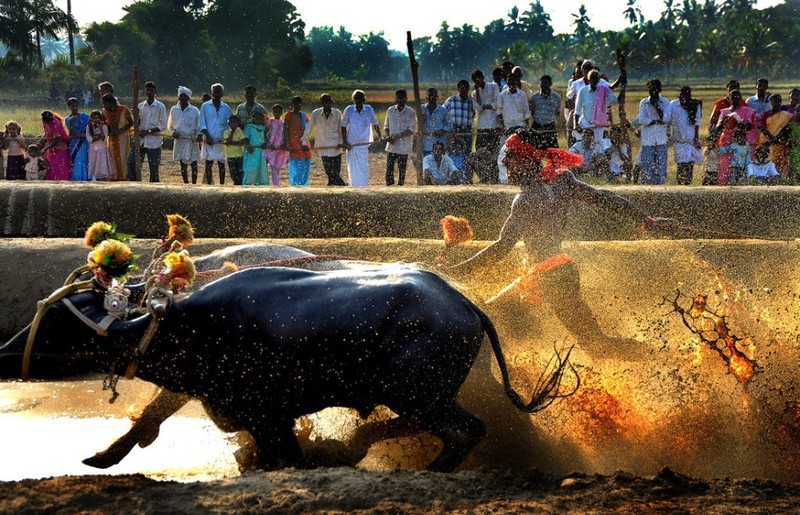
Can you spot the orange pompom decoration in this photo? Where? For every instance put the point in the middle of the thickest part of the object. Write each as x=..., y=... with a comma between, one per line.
x=456, y=230
x=180, y=230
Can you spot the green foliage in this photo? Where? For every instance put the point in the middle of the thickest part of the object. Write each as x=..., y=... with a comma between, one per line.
x=23, y=24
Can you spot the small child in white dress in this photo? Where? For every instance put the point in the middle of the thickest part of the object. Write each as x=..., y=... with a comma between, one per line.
x=36, y=166
x=96, y=134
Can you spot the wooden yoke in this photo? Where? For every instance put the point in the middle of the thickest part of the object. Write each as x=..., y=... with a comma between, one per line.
x=416, y=152
x=137, y=139
x=627, y=164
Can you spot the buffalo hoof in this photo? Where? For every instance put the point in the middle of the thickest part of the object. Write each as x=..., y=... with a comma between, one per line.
x=99, y=461
x=331, y=453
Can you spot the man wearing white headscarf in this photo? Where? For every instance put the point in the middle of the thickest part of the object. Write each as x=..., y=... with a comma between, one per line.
x=184, y=126
x=214, y=117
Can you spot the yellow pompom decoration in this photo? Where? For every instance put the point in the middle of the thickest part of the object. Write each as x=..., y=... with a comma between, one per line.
x=179, y=271
x=97, y=233
x=101, y=231
x=112, y=257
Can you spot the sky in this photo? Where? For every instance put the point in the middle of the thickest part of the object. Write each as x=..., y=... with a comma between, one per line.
x=421, y=17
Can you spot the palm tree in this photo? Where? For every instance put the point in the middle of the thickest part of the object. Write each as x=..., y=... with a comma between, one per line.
x=23, y=23
x=668, y=16
x=583, y=28
x=669, y=48
x=633, y=14
x=536, y=22
x=708, y=51
x=544, y=52
x=514, y=26
x=48, y=20
x=15, y=29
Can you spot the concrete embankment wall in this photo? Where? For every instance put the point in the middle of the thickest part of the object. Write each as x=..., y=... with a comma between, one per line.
x=42, y=223
x=65, y=210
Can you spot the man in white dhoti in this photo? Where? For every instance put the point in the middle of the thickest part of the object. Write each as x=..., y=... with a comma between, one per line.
x=184, y=126
x=358, y=122
x=214, y=117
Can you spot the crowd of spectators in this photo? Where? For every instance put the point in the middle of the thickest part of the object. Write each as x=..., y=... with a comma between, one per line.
x=750, y=140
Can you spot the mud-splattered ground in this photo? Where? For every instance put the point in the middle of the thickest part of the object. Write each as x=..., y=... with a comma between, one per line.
x=346, y=490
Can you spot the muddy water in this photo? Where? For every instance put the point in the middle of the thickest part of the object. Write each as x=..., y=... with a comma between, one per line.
x=668, y=400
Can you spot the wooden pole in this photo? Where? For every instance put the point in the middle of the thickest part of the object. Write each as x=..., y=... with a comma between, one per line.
x=627, y=163
x=416, y=156
x=70, y=35
x=137, y=140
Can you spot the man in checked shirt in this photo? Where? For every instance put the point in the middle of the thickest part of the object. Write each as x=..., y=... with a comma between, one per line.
x=461, y=110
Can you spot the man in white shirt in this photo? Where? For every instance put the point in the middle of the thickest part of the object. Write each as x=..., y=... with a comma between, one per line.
x=439, y=169
x=358, y=122
x=591, y=105
x=654, y=117
x=685, y=115
x=214, y=117
x=328, y=139
x=513, y=106
x=760, y=101
x=152, y=122
x=485, y=96
x=184, y=126
x=399, y=129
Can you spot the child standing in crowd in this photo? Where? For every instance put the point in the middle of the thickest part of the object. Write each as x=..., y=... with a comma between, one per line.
x=253, y=166
x=14, y=143
x=234, y=142
x=36, y=166
x=762, y=170
x=459, y=157
x=96, y=134
x=274, y=153
x=740, y=156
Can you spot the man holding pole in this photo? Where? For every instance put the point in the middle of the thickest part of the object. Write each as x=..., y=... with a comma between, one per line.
x=358, y=122
x=152, y=122
x=328, y=140
x=214, y=117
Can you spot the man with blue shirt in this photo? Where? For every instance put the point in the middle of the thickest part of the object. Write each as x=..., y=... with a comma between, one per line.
x=436, y=122
x=214, y=116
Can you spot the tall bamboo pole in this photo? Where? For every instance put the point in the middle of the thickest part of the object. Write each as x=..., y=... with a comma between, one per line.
x=416, y=156
x=137, y=153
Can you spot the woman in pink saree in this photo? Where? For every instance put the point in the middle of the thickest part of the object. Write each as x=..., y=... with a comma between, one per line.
x=56, y=146
x=738, y=115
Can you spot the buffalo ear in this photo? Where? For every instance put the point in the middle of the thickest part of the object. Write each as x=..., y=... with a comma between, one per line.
x=135, y=325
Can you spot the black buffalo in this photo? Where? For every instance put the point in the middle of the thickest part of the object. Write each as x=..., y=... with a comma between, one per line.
x=263, y=346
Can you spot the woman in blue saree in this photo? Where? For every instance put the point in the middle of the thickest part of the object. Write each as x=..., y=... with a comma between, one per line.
x=78, y=146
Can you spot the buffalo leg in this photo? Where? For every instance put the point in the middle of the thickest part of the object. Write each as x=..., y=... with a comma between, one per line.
x=459, y=430
x=277, y=445
x=143, y=432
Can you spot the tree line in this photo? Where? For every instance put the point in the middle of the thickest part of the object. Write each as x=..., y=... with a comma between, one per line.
x=265, y=42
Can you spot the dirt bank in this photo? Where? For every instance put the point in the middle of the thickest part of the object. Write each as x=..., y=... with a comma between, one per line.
x=343, y=490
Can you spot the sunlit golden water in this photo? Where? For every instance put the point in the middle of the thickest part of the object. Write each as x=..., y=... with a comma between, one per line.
x=672, y=402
